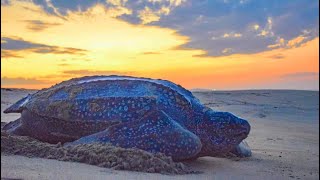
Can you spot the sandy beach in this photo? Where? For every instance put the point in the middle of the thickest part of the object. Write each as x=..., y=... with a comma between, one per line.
x=284, y=139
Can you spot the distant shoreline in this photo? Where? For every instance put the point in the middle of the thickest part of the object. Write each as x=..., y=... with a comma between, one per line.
x=206, y=90
x=197, y=90
x=24, y=89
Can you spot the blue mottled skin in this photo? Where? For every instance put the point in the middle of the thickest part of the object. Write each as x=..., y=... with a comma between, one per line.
x=150, y=114
x=154, y=132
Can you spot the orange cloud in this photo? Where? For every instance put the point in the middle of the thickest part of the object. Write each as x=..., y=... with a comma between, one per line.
x=295, y=41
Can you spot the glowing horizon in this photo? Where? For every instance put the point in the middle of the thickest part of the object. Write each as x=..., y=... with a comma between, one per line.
x=40, y=49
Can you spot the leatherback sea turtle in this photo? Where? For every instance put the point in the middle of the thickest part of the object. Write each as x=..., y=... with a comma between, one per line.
x=150, y=114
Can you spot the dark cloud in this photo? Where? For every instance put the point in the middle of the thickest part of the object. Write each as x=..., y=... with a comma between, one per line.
x=79, y=59
x=30, y=9
x=20, y=81
x=9, y=54
x=59, y=50
x=64, y=64
x=36, y=25
x=10, y=45
x=55, y=76
x=5, y=2
x=49, y=8
x=90, y=72
x=17, y=44
x=61, y=7
x=147, y=53
x=44, y=4
x=181, y=47
x=206, y=22
x=276, y=56
x=200, y=55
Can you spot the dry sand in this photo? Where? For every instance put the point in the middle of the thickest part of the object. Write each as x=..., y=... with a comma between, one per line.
x=284, y=141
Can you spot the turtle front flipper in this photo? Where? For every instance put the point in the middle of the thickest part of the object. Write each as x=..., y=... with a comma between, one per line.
x=154, y=132
x=242, y=150
x=18, y=106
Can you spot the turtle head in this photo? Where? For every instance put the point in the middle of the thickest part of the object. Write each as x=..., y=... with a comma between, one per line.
x=221, y=132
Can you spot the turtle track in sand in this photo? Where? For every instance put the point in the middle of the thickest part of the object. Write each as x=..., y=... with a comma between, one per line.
x=102, y=155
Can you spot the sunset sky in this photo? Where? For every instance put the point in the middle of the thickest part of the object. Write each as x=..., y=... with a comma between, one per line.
x=211, y=44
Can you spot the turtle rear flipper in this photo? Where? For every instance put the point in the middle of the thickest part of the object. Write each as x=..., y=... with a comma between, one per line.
x=18, y=106
x=155, y=132
x=14, y=127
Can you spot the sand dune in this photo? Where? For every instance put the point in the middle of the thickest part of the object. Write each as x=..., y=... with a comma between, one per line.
x=284, y=141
